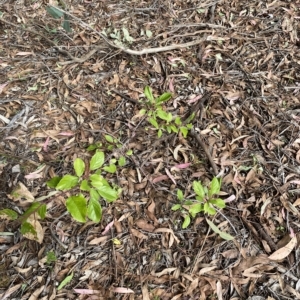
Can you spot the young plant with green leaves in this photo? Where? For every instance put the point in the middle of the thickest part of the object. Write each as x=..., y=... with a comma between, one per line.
x=159, y=118
x=93, y=187
x=206, y=201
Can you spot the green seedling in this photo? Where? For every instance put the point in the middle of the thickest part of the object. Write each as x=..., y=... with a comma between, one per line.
x=206, y=201
x=93, y=187
x=160, y=119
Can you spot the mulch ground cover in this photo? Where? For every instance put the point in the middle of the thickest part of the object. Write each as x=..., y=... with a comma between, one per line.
x=69, y=82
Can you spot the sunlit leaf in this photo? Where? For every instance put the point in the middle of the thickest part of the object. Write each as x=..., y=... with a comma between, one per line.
x=94, y=210
x=186, y=222
x=67, y=182
x=215, y=187
x=108, y=193
x=195, y=209
x=77, y=207
x=110, y=169
x=220, y=203
x=209, y=209
x=163, y=98
x=65, y=282
x=176, y=207
x=79, y=166
x=198, y=189
x=159, y=133
x=97, y=160
x=148, y=94
x=153, y=122
x=184, y=131
x=98, y=181
x=122, y=161
x=180, y=195
x=109, y=138
x=84, y=186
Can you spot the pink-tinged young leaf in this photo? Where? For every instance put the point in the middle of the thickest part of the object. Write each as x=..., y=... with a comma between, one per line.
x=45, y=146
x=108, y=227
x=182, y=166
x=292, y=233
x=2, y=86
x=194, y=99
x=159, y=178
x=295, y=181
x=171, y=86
x=170, y=175
x=86, y=291
x=122, y=290
x=230, y=199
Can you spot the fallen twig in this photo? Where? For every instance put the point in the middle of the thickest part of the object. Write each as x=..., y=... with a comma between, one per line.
x=204, y=147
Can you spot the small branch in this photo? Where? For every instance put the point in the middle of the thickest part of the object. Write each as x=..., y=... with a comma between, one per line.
x=204, y=147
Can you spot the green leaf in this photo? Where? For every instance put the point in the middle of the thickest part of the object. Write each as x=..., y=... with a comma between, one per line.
x=11, y=214
x=97, y=160
x=213, y=226
x=84, y=186
x=195, y=209
x=198, y=189
x=127, y=36
x=148, y=94
x=76, y=206
x=163, y=98
x=159, y=133
x=110, y=169
x=186, y=222
x=79, y=166
x=209, y=209
x=65, y=282
x=108, y=193
x=109, y=138
x=129, y=152
x=122, y=161
x=98, y=181
x=42, y=211
x=92, y=147
x=32, y=208
x=184, y=131
x=94, y=210
x=222, y=234
x=174, y=128
x=176, y=207
x=94, y=195
x=215, y=187
x=153, y=122
x=169, y=130
x=180, y=195
x=143, y=111
x=178, y=121
x=67, y=182
x=27, y=228
x=54, y=12
x=66, y=24
x=51, y=257
x=226, y=236
x=220, y=203
x=52, y=183
x=188, y=202
x=163, y=115
x=190, y=118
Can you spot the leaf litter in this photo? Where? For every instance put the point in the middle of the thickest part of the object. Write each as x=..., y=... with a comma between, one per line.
x=235, y=64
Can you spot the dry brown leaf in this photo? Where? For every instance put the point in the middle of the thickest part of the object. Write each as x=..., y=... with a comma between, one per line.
x=138, y=234
x=143, y=224
x=284, y=251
